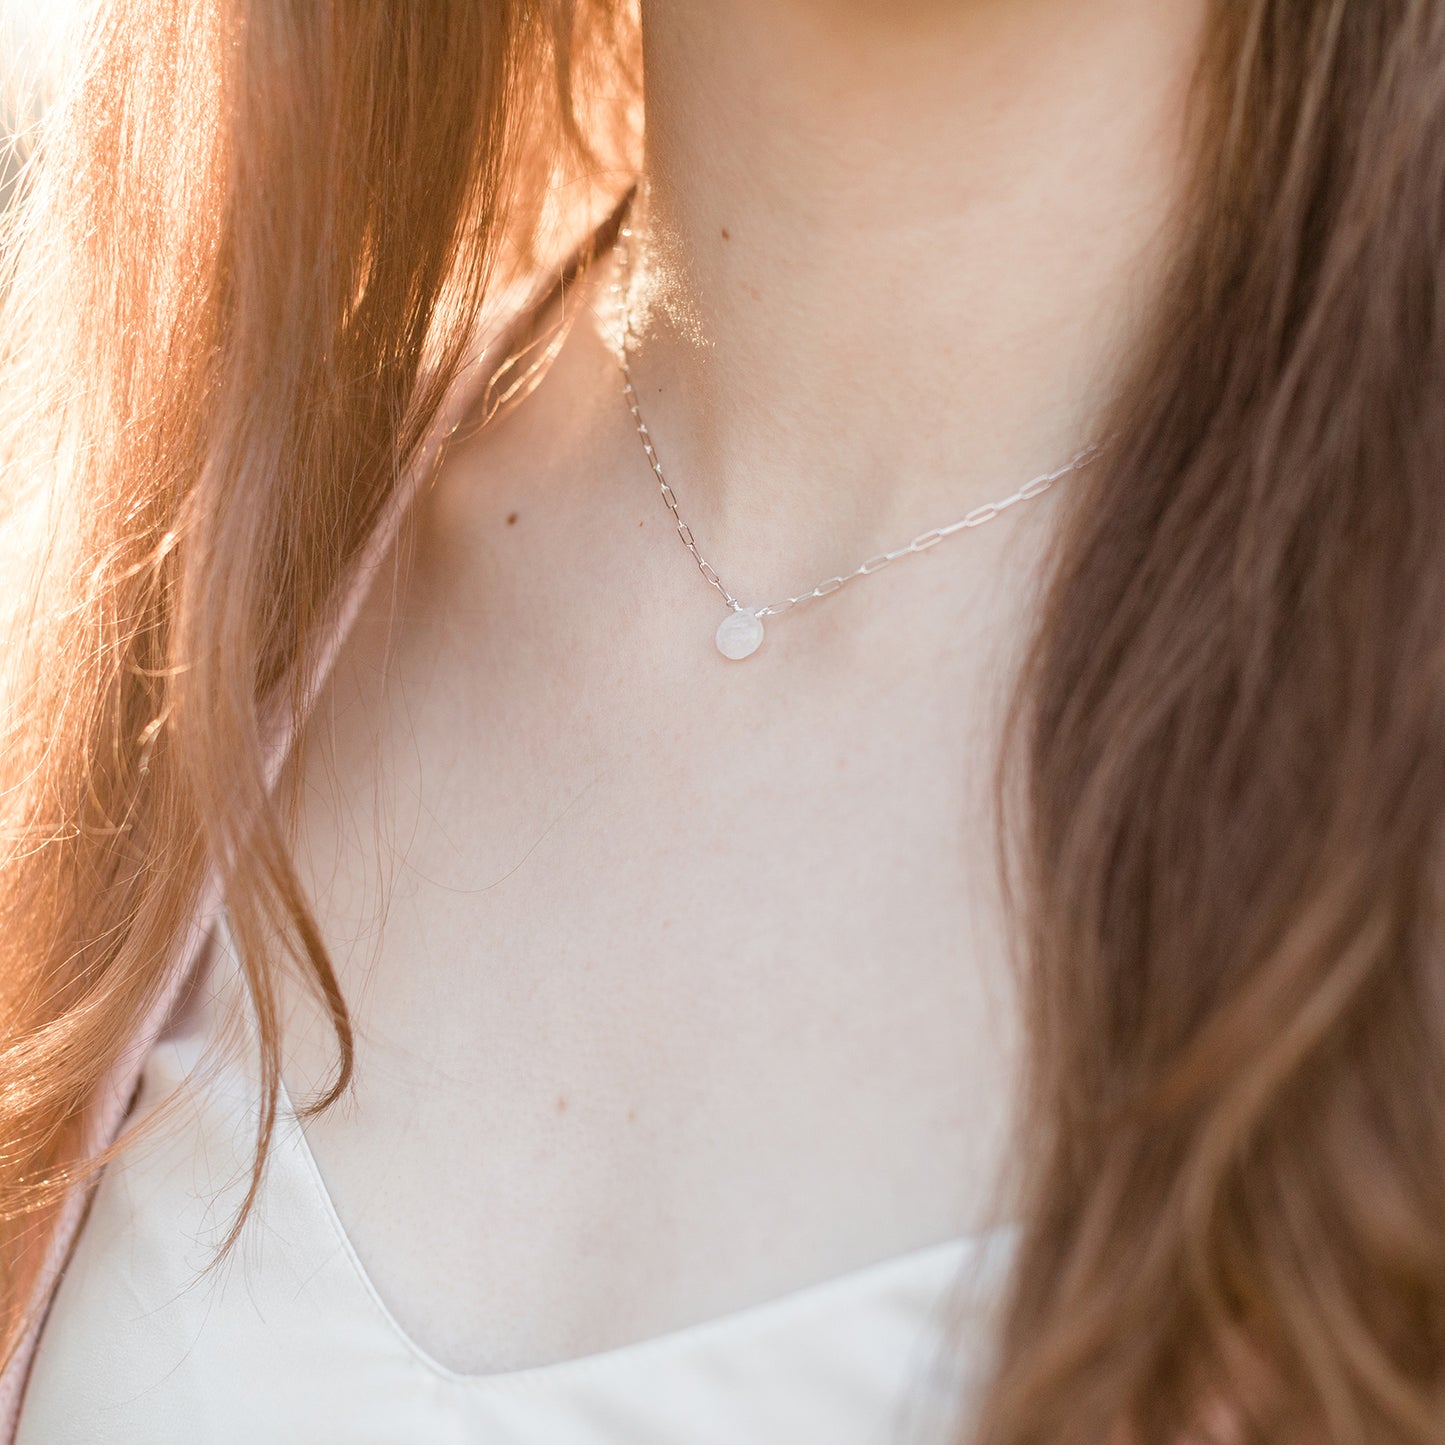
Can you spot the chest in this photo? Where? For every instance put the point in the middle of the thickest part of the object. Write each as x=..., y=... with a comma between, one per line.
x=677, y=985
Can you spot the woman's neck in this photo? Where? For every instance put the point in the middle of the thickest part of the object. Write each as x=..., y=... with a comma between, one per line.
x=892, y=250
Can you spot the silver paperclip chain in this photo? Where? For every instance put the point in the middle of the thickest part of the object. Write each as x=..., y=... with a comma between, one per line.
x=921, y=543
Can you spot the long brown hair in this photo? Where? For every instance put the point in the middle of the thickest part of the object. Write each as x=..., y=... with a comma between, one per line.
x=235, y=289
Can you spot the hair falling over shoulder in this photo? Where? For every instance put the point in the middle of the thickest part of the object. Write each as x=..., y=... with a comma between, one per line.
x=254, y=245
x=248, y=255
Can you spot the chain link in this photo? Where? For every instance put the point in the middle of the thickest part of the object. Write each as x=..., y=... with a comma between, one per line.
x=987, y=512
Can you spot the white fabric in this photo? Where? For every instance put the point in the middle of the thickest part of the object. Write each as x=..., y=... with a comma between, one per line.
x=287, y=1340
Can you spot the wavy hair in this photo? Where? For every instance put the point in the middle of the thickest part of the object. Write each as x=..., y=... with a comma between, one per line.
x=242, y=272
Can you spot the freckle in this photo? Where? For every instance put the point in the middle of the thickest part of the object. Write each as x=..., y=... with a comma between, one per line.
x=726, y=236
x=561, y=1104
x=632, y=1116
x=511, y=519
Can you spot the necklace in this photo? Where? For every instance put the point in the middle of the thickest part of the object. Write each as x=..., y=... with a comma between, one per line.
x=740, y=633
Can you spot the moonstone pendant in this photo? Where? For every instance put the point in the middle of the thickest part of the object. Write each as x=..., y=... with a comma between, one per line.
x=740, y=634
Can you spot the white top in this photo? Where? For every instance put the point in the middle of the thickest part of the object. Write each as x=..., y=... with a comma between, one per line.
x=288, y=1340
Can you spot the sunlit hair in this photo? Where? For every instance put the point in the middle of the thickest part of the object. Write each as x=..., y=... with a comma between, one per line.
x=254, y=246
x=256, y=240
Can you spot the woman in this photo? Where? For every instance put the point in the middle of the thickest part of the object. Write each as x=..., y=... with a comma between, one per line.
x=997, y=998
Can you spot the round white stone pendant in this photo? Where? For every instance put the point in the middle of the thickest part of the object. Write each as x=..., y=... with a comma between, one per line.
x=740, y=634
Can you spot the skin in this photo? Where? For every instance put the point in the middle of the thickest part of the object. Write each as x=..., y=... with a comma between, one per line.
x=692, y=986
